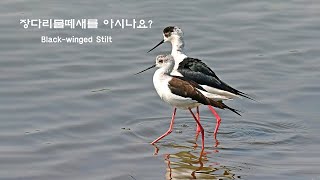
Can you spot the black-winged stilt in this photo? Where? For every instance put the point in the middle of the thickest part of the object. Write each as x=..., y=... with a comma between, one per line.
x=181, y=93
x=197, y=71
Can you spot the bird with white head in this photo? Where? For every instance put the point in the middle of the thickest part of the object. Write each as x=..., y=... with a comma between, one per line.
x=180, y=92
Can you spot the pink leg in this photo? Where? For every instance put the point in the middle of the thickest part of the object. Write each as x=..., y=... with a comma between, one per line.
x=170, y=128
x=218, y=120
x=201, y=128
x=198, y=117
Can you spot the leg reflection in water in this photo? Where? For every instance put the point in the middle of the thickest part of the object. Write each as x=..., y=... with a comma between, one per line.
x=190, y=163
x=186, y=165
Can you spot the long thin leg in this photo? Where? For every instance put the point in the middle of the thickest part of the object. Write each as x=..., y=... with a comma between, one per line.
x=170, y=128
x=198, y=117
x=214, y=112
x=201, y=128
x=198, y=128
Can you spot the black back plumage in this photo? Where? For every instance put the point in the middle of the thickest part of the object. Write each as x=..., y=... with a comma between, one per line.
x=195, y=70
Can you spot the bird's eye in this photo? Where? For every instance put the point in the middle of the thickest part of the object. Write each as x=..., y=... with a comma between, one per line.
x=160, y=61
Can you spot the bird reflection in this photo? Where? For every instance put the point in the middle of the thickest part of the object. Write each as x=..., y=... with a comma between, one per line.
x=189, y=163
x=186, y=165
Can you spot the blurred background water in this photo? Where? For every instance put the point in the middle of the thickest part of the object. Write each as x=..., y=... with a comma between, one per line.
x=55, y=125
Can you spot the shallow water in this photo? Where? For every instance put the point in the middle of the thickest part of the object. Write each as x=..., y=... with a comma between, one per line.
x=71, y=111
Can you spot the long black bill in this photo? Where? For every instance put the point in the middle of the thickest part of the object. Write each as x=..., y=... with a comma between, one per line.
x=145, y=69
x=156, y=46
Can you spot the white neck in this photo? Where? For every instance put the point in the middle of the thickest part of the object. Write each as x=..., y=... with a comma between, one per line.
x=161, y=78
x=177, y=53
x=177, y=45
x=167, y=69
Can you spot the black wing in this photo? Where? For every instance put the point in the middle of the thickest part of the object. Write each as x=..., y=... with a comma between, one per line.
x=196, y=70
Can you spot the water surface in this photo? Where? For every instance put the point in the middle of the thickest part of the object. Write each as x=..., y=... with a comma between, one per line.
x=56, y=125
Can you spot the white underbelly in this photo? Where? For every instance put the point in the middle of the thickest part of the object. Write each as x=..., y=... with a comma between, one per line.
x=182, y=104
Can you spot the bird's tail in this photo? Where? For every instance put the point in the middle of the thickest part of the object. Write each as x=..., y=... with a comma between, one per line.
x=221, y=105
